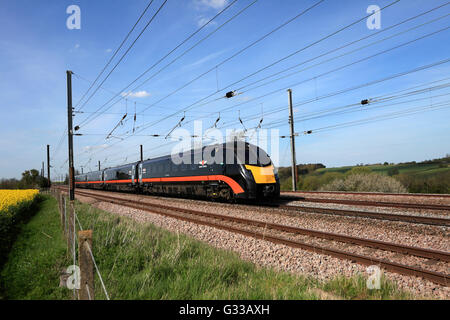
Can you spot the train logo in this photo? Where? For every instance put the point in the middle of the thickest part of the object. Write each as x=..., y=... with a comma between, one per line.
x=203, y=164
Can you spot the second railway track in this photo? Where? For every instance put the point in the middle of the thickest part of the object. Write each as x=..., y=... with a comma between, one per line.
x=364, y=203
x=438, y=221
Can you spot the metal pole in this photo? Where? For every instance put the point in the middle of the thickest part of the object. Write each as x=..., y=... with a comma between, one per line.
x=142, y=153
x=70, y=136
x=98, y=165
x=42, y=170
x=48, y=166
x=294, y=163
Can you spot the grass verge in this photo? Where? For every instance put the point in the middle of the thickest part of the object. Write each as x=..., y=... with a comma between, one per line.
x=141, y=261
x=36, y=258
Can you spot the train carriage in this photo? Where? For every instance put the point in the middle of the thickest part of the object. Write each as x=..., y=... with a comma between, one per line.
x=218, y=172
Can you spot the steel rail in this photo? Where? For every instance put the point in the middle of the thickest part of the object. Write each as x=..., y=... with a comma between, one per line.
x=440, y=278
x=439, y=207
x=424, y=195
x=437, y=221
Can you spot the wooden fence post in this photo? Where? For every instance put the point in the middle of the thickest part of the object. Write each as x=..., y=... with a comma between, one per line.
x=62, y=212
x=70, y=228
x=86, y=264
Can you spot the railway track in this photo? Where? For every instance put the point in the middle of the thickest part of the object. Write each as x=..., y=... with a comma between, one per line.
x=437, y=221
x=422, y=206
x=217, y=221
x=416, y=219
x=423, y=195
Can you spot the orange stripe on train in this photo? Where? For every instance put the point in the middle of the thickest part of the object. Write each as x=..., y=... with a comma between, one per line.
x=229, y=181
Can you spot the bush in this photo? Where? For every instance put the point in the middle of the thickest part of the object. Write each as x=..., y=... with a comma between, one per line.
x=366, y=183
x=314, y=182
x=433, y=184
x=358, y=170
x=392, y=172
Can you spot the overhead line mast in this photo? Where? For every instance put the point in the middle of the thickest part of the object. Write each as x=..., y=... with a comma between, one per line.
x=291, y=124
x=70, y=136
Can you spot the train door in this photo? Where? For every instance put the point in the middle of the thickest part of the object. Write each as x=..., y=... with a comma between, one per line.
x=133, y=174
x=140, y=173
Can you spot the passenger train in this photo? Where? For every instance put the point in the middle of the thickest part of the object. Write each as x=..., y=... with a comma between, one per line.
x=247, y=173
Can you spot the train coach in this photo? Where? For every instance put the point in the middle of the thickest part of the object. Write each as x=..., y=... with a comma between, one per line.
x=249, y=175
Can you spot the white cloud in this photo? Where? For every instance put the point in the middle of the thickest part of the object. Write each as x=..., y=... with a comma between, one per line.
x=92, y=148
x=137, y=94
x=108, y=50
x=201, y=21
x=214, y=4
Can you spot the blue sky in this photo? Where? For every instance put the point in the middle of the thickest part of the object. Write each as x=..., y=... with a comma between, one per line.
x=36, y=49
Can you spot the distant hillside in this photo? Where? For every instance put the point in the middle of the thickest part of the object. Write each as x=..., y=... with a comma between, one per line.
x=430, y=176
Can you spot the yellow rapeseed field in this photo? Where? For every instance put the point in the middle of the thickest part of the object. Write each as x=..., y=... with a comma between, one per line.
x=12, y=197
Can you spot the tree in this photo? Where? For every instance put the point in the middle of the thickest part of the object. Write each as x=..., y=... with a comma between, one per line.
x=32, y=179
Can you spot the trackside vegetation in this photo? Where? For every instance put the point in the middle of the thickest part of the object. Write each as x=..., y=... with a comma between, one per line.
x=430, y=176
x=141, y=261
x=16, y=207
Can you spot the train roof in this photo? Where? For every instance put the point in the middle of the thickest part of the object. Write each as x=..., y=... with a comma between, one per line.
x=165, y=157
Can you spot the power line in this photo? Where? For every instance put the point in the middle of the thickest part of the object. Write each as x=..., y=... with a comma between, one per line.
x=126, y=52
x=376, y=100
x=355, y=87
x=298, y=51
x=234, y=55
x=180, y=55
x=388, y=116
x=115, y=53
x=357, y=49
x=323, y=74
x=162, y=59
x=145, y=127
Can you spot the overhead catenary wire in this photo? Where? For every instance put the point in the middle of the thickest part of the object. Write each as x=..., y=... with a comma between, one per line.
x=140, y=127
x=348, y=65
x=417, y=69
x=304, y=48
x=373, y=99
x=386, y=28
x=115, y=53
x=333, y=113
x=233, y=56
x=163, y=58
x=123, y=56
x=386, y=116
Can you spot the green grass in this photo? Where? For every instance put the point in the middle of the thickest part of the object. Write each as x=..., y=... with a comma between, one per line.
x=141, y=261
x=37, y=257
x=423, y=177
x=420, y=169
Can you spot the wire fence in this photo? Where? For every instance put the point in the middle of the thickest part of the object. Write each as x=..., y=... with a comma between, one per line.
x=79, y=244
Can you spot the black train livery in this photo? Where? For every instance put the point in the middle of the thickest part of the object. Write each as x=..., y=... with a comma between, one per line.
x=246, y=174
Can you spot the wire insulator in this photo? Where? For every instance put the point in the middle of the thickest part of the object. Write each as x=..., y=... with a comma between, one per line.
x=230, y=94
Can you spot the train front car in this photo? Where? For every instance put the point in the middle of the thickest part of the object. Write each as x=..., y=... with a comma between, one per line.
x=258, y=175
